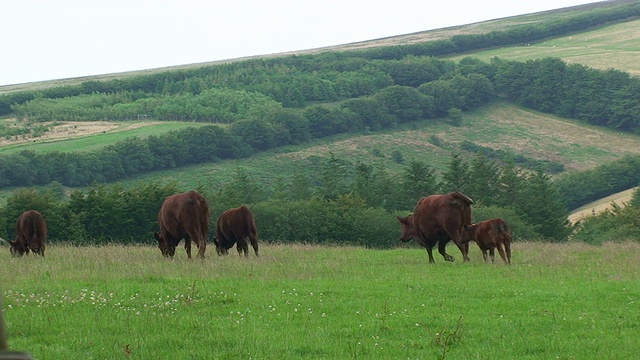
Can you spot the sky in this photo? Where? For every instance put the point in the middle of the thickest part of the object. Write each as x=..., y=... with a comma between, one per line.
x=57, y=39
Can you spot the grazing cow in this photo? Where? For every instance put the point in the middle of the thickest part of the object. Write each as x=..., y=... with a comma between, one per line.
x=181, y=216
x=436, y=220
x=490, y=234
x=236, y=225
x=31, y=234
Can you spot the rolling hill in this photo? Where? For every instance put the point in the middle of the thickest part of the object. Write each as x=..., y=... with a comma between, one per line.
x=500, y=125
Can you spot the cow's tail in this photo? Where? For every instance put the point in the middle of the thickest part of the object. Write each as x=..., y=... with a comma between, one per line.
x=35, y=230
x=504, y=231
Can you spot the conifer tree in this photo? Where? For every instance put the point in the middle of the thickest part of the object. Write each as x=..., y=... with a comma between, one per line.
x=542, y=206
x=417, y=181
x=456, y=178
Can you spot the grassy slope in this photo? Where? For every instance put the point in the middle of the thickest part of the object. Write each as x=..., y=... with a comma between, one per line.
x=500, y=125
x=615, y=46
x=575, y=145
x=567, y=301
x=620, y=199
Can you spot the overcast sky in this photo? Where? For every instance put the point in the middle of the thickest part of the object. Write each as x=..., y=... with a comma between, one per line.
x=55, y=39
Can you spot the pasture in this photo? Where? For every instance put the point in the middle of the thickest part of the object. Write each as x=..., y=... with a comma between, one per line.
x=87, y=136
x=556, y=301
x=609, y=47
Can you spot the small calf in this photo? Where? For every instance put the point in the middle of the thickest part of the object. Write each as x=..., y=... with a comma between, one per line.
x=490, y=234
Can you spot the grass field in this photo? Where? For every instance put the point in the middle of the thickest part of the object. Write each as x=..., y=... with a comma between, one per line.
x=610, y=47
x=94, y=137
x=556, y=301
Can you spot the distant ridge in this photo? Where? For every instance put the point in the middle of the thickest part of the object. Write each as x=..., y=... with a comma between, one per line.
x=403, y=39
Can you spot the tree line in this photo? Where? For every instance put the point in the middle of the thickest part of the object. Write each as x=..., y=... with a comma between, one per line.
x=340, y=203
x=433, y=88
x=196, y=80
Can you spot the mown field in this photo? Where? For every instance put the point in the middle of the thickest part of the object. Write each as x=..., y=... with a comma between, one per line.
x=82, y=136
x=556, y=301
x=610, y=47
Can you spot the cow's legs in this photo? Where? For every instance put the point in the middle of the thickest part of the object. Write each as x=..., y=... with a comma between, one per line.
x=254, y=243
x=464, y=248
x=485, y=256
x=507, y=246
x=187, y=245
x=502, y=254
x=492, y=254
x=201, y=248
x=243, y=247
x=430, y=252
x=442, y=249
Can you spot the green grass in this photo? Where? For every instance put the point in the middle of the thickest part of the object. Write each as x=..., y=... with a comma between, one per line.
x=567, y=301
x=95, y=141
x=615, y=46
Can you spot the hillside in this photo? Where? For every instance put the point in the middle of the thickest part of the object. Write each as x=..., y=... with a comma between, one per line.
x=504, y=125
x=402, y=39
x=620, y=199
x=499, y=125
x=614, y=46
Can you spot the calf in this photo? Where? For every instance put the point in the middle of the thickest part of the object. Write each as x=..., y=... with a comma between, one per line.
x=31, y=234
x=236, y=225
x=490, y=234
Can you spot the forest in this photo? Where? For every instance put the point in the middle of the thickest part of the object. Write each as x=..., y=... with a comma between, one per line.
x=261, y=104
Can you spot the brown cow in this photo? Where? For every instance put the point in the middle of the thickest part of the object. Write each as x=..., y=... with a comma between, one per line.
x=490, y=234
x=181, y=216
x=31, y=234
x=236, y=225
x=436, y=220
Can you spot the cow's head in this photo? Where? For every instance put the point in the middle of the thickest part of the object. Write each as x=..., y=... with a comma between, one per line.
x=468, y=233
x=408, y=228
x=166, y=248
x=221, y=250
x=17, y=248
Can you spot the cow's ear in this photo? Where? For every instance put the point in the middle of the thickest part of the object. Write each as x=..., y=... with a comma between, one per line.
x=157, y=236
x=13, y=242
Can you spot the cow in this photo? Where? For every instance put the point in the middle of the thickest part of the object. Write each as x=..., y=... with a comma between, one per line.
x=235, y=226
x=183, y=216
x=489, y=235
x=31, y=234
x=437, y=219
